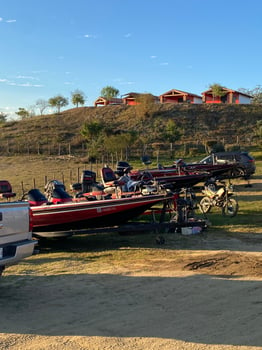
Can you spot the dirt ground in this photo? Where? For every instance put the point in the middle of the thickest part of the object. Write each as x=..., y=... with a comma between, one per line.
x=193, y=299
x=205, y=295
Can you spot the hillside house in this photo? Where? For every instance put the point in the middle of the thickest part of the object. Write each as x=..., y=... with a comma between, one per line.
x=102, y=101
x=230, y=97
x=131, y=98
x=177, y=96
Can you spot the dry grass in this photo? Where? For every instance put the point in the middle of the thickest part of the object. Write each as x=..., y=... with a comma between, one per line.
x=27, y=172
x=105, y=291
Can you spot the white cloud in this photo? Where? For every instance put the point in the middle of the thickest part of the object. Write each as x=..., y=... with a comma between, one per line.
x=25, y=84
x=26, y=77
x=7, y=109
x=127, y=83
x=39, y=71
x=120, y=81
x=7, y=20
x=164, y=64
x=153, y=57
x=90, y=36
x=19, y=77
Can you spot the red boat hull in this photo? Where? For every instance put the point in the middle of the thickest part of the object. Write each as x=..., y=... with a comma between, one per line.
x=187, y=169
x=100, y=213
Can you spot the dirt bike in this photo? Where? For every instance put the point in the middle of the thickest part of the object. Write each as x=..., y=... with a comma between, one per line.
x=218, y=194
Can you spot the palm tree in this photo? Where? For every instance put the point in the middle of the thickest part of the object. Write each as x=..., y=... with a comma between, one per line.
x=78, y=98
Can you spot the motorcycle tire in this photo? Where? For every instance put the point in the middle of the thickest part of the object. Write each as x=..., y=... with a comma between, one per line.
x=230, y=208
x=205, y=205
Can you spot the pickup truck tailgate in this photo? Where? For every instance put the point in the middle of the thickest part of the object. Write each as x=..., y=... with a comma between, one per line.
x=14, y=221
x=16, y=241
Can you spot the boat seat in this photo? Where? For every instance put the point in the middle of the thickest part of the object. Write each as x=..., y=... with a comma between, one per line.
x=108, y=177
x=110, y=181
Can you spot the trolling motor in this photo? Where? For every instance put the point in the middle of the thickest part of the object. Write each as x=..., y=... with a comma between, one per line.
x=88, y=188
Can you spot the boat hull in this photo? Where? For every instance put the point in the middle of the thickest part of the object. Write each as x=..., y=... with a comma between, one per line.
x=100, y=213
x=188, y=169
x=178, y=182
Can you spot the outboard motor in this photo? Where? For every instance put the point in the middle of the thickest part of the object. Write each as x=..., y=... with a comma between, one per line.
x=90, y=186
x=123, y=168
x=35, y=197
x=60, y=196
x=88, y=181
x=56, y=192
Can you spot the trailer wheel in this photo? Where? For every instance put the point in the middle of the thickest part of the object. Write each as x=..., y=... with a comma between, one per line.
x=1, y=270
x=238, y=172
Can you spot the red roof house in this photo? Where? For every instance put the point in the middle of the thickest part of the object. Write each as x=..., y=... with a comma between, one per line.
x=177, y=96
x=102, y=101
x=131, y=98
x=230, y=96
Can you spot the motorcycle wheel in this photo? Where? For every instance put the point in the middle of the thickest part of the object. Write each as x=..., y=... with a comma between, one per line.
x=230, y=208
x=205, y=205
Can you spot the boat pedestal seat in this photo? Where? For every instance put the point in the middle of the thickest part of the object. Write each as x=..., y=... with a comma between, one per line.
x=110, y=189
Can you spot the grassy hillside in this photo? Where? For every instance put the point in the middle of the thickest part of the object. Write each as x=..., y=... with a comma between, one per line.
x=52, y=134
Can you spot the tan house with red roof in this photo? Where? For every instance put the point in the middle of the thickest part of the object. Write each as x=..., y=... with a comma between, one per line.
x=131, y=98
x=102, y=101
x=178, y=96
x=230, y=97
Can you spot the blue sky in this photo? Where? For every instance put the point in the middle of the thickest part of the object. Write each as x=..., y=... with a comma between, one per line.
x=51, y=47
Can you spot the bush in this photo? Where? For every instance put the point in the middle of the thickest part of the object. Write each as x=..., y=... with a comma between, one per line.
x=217, y=147
x=193, y=151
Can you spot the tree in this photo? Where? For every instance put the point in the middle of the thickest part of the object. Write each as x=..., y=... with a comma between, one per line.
x=109, y=92
x=259, y=129
x=58, y=102
x=92, y=132
x=256, y=94
x=78, y=98
x=3, y=117
x=217, y=90
x=120, y=143
x=42, y=105
x=23, y=113
x=145, y=105
x=172, y=132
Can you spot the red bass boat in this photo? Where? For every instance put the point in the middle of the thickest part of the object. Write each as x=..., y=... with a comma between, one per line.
x=168, y=179
x=104, y=208
x=50, y=220
x=178, y=169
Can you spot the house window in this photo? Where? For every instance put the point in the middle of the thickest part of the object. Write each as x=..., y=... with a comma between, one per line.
x=224, y=99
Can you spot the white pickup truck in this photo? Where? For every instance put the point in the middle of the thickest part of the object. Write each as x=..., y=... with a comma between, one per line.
x=16, y=241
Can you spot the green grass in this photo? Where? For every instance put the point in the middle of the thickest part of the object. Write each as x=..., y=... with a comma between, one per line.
x=249, y=218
